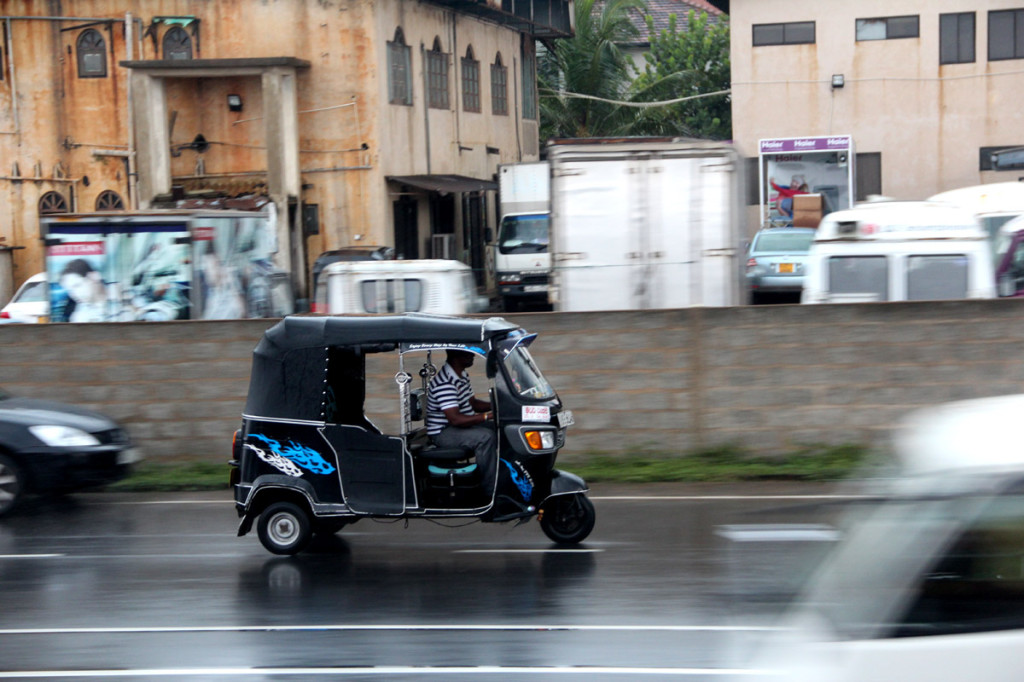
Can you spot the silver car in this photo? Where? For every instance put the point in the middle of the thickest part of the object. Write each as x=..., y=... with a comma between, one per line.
x=776, y=260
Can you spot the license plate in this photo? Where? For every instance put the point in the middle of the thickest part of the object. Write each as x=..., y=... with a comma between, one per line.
x=534, y=288
x=786, y=268
x=565, y=418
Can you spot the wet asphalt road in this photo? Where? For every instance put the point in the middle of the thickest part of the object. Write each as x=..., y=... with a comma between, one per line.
x=142, y=587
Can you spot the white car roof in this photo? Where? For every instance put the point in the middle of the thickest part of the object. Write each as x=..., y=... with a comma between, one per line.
x=397, y=266
x=902, y=220
x=996, y=197
x=980, y=434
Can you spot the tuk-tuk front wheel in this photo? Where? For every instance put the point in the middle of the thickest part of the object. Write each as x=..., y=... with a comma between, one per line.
x=568, y=519
x=284, y=528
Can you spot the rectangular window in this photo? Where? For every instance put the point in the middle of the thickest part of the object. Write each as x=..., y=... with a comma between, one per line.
x=937, y=277
x=437, y=80
x=1007, y=161
x=794, y=33
x=866, y=277
x=1006, y=34
x=956, y=38
x=888, y=28
x=470, y=84
x=869, y=175
x=499, y=90
x=529, y=86
x=392, y=295
x=399, y=68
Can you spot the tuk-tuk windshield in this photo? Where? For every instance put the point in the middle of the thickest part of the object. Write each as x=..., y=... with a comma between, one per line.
x=524, y=375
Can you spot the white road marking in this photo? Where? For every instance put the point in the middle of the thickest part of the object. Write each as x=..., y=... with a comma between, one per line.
x=383, y=627
x=383, y=670
x=30, y=556
x=638, y=498
x=609, y=498
x=527, y=551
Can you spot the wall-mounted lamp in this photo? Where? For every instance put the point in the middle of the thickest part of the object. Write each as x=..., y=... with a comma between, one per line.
x=235, y=101
x=837, y=80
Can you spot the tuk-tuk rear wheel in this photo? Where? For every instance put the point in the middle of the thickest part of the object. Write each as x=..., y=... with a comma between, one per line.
x=284, y=528
x=568, y=519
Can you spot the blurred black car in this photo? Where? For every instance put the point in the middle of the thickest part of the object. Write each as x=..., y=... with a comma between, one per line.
x=48, y=447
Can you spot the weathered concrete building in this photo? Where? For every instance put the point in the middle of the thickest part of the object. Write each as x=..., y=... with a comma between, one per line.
x=925, y=88
x=365, y=122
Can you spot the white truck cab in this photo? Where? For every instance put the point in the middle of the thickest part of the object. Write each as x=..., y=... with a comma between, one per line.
x=899, y=251
x=439, y=286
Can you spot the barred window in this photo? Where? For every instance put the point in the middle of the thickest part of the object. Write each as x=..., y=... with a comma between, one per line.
x=399, y=70
x=437, y=77
x=470, y=82
x=499, y=87
x=529, y=82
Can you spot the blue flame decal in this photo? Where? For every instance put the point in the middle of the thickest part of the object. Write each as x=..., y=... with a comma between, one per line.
x=305, y=457
x=522, y=482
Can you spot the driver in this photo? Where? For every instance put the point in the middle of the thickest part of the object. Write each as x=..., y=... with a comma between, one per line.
x=456, y=418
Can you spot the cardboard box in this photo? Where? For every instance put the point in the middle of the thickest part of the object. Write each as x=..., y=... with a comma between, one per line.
x=807, y=210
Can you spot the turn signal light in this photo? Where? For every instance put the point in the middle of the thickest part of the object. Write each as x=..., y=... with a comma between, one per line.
x=540, y=440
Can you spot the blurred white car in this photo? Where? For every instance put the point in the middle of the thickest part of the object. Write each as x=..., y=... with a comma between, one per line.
x=30, y=303
x=928, y=585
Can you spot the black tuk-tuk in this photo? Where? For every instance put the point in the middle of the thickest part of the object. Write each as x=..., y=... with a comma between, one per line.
x=308, y=460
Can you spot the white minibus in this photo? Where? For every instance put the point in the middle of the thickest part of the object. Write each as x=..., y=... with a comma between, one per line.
x=445, y=287
x=899, y=251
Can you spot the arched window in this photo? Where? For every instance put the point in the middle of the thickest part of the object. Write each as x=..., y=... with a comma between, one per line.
x=92, y=54
x=109, y=201
x=470, y=81
x=52, y=202
x=177, y=44
x=399, y=70
x=499, y=87
x=437, y=77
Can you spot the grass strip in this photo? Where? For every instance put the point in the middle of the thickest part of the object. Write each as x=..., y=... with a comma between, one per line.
x=637, y=465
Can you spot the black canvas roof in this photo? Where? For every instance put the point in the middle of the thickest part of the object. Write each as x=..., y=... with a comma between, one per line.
x=289, y=366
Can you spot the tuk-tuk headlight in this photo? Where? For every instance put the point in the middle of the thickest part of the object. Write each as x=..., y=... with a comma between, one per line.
x=540, y=440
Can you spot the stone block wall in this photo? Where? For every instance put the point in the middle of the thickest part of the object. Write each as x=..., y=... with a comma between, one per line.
x=769, y=378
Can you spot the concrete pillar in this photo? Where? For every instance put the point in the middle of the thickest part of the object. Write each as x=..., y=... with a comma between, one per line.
x=152, y=135
x=284, y=181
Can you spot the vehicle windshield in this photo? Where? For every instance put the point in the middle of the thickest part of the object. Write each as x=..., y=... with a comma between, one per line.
x=956, y=569
x=795, y=242
x=523, y=234
x=525, y=377
x=33, y=292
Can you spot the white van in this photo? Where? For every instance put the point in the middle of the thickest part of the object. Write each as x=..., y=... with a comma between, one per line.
x=994, y=204
x=439, y=286
x=929, y=583
x=899, y=251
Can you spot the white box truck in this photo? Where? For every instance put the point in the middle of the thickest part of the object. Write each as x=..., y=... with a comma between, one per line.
x=522, y=264
x=645, y=223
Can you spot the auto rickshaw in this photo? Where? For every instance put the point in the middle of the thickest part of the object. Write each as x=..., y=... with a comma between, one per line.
x=308, y=460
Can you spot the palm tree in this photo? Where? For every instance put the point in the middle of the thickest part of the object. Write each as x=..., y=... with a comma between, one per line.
x=589, y=64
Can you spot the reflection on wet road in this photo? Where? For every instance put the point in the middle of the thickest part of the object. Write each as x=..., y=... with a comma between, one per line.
x=138, y=587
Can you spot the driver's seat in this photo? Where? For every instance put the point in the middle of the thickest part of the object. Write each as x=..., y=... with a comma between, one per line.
x=450, y=476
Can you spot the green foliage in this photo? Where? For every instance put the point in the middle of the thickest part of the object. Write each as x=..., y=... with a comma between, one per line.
x=684, y=64
x=590, y=63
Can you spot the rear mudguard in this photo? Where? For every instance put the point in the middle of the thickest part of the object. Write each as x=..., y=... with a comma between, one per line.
x=564, y=483
x=265, y=484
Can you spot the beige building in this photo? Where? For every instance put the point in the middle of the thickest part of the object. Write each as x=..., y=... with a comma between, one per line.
x=925, y=88
x=364, y=122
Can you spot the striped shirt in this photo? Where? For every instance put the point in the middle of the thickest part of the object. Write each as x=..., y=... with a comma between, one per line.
x=447, y=390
